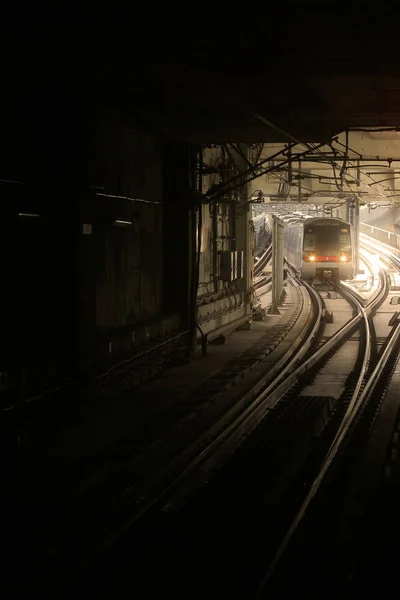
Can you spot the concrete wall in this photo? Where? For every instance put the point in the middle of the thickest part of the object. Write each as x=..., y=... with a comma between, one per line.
x=209, y=280
x=129, y=266
x=125, y=290
x=123, y=261
x=40, y=149
x=178, y=236
x=39, y=318
x=85, y=284
x=217, y=230
x=220, y=305
x=383, y=217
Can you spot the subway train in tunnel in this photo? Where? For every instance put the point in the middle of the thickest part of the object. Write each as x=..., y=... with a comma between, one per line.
x=320, y=248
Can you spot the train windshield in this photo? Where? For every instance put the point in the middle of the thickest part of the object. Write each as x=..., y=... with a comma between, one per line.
x=344, y=239
x=326, y=240
x=309, y=238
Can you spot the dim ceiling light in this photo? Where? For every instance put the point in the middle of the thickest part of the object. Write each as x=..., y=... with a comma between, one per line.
x=28, y=215
x=121, y=222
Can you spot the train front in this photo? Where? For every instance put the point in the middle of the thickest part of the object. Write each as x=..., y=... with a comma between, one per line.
x=327, y=250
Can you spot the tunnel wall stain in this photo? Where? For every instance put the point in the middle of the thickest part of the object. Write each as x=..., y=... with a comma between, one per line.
x=122, y=273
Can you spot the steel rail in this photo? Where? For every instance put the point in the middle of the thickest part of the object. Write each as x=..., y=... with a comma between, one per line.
x=288, y=373
x=285, y=380
x=240, y=425
x=262, y=282
x=351, y=413
x=264, y=259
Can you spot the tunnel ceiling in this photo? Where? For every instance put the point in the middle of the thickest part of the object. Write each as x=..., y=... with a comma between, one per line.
x=207, y=78
x=311, y=108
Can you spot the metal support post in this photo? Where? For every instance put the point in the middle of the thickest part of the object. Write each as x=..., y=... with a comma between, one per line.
x=348, y=216
x=299, y=186
x=244, y=235
x=356, y=225
x=353, y=217
x=277, y=263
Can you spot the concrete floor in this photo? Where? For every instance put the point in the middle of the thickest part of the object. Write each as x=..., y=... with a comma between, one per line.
x=156, y=404
x=135, y=411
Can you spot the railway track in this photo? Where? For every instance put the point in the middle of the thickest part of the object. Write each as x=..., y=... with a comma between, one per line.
x=188, y=471
x=118, y=491
x=90, y=531
x=263, y=261
x=290, y=450
x=275, y=411
x=337, y=520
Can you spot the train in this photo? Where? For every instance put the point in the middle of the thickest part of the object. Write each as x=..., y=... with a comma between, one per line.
x=320, y=248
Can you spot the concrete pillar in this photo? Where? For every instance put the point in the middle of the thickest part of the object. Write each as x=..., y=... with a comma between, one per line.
x=179, y=233
x=346, y=213
x=354, y=219
x=244, y=235
x=277, y=262
x=356, y=226
x=243, y=231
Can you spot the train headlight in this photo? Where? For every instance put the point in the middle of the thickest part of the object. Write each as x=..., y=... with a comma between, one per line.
x=312, y=258
x=343, y=258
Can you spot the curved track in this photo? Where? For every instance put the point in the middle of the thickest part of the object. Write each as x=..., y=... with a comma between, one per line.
x=263, y=261
x=277, y=419
x=168, y=486
x=169, y=491
x=335, y=478
x=285, y=459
